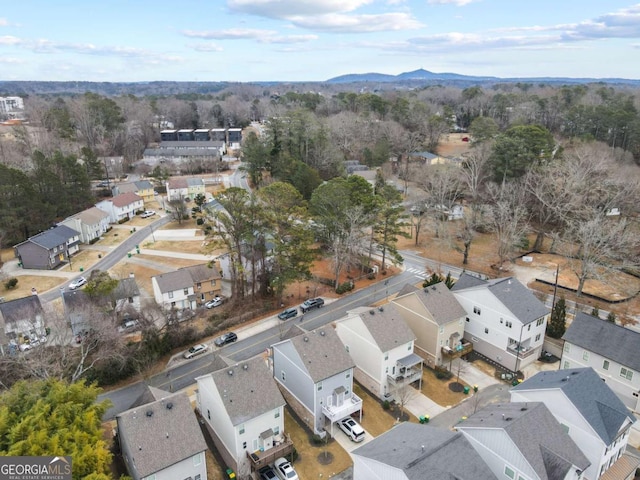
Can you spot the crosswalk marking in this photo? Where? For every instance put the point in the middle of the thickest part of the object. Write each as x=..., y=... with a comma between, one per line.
x=417, y=272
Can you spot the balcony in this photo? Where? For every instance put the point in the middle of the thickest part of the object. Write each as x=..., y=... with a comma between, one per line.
x=281, y=448
x=337, y=412
x=451, y=353
x=521, y=351
x=408, y=376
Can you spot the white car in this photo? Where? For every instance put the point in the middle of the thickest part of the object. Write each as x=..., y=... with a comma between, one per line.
x=77, y=283
x=195, y=350
x=352, y=429
x=215, y=302
x=284, y=469
x=148, y=213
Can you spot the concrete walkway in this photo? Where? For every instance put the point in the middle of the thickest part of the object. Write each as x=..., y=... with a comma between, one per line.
x=189, y=256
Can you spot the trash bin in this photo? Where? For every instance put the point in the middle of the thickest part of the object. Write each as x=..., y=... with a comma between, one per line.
x=129, y=255
x=230, y=473
x=138, y=251
x=475, y=388
x=99, y=255
x=466, y=390
x=82, y=269
x=423, y=419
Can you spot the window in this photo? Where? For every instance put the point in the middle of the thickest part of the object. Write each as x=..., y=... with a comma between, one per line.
x=476, y=310
x=208, y=414
x=565, y=427
x=197, y=477
x=197, y=459
x=540, y=322
x=467, y=319
x=567, y=347
x=409, y=347
x=585, y=356
x=346, y=347
x=509, y=324
x=170, y=294
x=244, y=445
x=199, y=285
x=284, y=376
x=386, y=356
x=213, y=283
x=276, y=430
x=348, y=375
x=319, y=386
x=185, y=291
x=537, y=338
x=241, y=430
x=626, y=373
x=486, y=330
x=566, y=364
x=441, y=329
x=605, y=365
x=529, y=327
x=509, y=472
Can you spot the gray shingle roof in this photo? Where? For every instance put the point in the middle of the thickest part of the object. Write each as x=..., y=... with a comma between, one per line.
x=248, y=390
x=387, y=327
x=441, y=303
x=125, y=199
x=172, y=281
x=593, y=398
x=605, y=338
x=126, y=288
x=536, y=433
x=143, y=184
x=322, y=353
x=511, y=293
x=427, y=453
x=91, y=216
x=202, y=272
x=163, y=438
x=20, y=309
x=54, y=237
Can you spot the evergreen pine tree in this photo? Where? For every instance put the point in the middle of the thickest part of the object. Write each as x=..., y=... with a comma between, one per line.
x=557, y=324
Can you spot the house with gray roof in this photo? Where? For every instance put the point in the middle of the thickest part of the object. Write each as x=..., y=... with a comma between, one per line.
x=611, y=350
x=142, y=188
x=588, y=410
x=381, y=345
x=243, y=410
x=21, y=321
x=524, y=440
x=315, y=374
x=183, y=187
x=91, y=223
x=437, y=319
x=49, y=249
x=162, y=440
x=428, y=158
x=505, y=321
x=419, y=452
x=187, y=286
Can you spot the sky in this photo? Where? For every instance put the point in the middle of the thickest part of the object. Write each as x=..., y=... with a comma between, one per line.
x=314, y=40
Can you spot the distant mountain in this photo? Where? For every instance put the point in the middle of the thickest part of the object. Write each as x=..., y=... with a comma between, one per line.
x=425, y=76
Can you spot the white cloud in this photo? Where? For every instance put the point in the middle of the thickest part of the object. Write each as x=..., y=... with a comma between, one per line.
x=458, y=3
x=230, y=34
x=206, y=47
x=358, y=23
x=289, y=39
x=10, y=40
x=11, y=60
x=284, y=9
x=4, y=22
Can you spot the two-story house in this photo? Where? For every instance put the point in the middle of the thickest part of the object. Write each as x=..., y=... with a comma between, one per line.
x=505, y=321
x=142, y=188
x=595, y=418
x=524, y=441
x=611, y=350
x=121, y=207
x=419, y=452
x=184, y=188
x=49, y=249
x=174, y=290
x=21, y=321
x=125, y=298
x=437, y=320
x=91, y=223
x=162, y=440
x=187, y=286
x=315, y=375
x=381, y=345
x=243, y=410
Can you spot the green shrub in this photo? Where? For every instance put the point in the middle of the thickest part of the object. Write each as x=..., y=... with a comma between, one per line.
x=11, y=283
x=344, y=287
x=386, y=405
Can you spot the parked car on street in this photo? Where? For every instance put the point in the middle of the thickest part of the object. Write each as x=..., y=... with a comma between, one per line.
x=284, y=469
x=267, y=473
x=195, y=350
x=77, y=283
x=352, y=429
x=311, y=304
x=215, y=302
x=225, y=338
x=288, y=313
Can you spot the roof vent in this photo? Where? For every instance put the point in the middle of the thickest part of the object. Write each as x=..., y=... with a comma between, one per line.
x=167, y=434
x=169, y=406
x=322, y=334
x=149, y=413
x=306, y=339
x=372, y=312
x=230, y=372
x=433, y=287
x=245, y=367
x=381, y=309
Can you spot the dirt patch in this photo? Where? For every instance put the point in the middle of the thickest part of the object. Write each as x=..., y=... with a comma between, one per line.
x=451, y=145
x=171, y=261
x=26, y=283
x=188, y=245
x=374, y=420
x=113, y=237
x=438, y=389
x=141, y=273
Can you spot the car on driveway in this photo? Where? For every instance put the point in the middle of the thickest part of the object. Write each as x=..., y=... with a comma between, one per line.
x=267, y=473
x=215, y=302
x=311, y=304
x=352, y=429
x=284, y=469
x=195, y=351
x=77, y=283
x=288, y=313
x=225, y=338
x=148, y=213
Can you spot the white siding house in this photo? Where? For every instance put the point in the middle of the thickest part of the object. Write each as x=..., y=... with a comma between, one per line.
x=505, y=321
x=91, y=224
x=174, y=290
x=611, y=350
x=123, y=206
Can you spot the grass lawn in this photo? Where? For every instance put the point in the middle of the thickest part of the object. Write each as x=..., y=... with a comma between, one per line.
x=142, y=274
x=184, y=246
x=26, y=282
x=438, y=390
